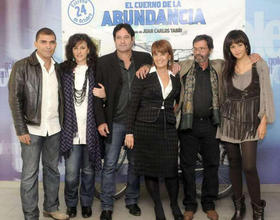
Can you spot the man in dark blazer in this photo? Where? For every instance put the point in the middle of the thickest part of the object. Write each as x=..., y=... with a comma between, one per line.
x=116, y=72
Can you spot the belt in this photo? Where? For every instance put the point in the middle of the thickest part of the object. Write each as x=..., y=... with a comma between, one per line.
x=202, y=118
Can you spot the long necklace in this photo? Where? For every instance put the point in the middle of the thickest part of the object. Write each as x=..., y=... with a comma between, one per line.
x=80, y=94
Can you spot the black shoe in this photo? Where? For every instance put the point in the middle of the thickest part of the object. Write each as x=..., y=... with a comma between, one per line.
x=134, y=209
x=106, y=215
x=258, y=210
x=71, y=211
x=86, y=211
x=240, y=208
x=159, y=212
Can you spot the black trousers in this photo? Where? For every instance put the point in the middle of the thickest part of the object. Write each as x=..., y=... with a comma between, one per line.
x=202, y=139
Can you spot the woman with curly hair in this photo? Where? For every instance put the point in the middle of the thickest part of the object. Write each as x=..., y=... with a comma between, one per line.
x=80, y=142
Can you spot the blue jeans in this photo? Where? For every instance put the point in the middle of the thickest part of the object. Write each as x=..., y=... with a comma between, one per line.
x=108, y=179
x=77, y=166
x=30, y=154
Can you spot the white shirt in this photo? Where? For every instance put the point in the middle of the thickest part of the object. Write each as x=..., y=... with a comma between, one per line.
x=81, y=110
x=165, y=91
x=49, y=107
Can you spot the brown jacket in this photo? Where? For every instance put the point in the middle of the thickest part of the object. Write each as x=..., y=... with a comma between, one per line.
x=186, y=66
x=25, y=93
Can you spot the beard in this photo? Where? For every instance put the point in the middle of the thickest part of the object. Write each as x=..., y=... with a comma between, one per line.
x=200, y=58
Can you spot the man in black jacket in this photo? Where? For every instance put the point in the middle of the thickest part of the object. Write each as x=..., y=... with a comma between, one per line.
x=116, y=72
x=35, y=100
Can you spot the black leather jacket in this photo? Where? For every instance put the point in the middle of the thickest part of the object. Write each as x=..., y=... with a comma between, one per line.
x=25, y=93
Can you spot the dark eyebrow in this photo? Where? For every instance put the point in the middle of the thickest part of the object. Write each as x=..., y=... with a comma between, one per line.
x=44, y=41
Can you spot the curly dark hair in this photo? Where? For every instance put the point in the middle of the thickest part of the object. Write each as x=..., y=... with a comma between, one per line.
x=92, y=56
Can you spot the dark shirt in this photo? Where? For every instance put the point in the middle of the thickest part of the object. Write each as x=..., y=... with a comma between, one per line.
x=127, y=77
x=202, y=97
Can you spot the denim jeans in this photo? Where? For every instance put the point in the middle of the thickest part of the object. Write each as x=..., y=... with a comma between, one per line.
x=108, y=180
x=77, y=166
x=49, y=147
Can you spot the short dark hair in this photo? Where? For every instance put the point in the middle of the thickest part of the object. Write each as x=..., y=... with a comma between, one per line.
x=46, y=31
x=205, y=37
x=126, y=26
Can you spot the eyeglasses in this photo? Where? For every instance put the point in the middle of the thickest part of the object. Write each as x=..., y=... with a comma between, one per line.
x=199, y=49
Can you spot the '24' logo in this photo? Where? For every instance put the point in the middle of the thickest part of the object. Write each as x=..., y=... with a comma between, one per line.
x=81, y=10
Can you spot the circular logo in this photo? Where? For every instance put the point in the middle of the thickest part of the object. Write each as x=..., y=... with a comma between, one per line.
x=81, y=12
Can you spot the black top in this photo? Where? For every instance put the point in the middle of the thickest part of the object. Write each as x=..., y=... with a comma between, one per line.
x=127, y=77
x=147, y=101
x=202, y=97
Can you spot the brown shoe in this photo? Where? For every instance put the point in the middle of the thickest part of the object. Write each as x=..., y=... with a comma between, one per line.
x=188, y=215
x=212, y=214
x=56, y=215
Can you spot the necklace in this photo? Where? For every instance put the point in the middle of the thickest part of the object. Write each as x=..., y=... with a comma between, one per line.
x=80, y=94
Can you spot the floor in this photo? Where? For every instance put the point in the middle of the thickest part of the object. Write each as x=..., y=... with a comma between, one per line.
x=10, y=205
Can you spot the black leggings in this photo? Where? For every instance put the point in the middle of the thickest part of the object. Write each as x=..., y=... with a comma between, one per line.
x=172, y=186
x=246, y=161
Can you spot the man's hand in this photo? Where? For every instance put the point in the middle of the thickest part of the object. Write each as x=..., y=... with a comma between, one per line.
x=255, y=57
x=103, y=129
x=25, y=139
x=99, y=92
x=143, y=71
x=176, y=68
x=129, y=141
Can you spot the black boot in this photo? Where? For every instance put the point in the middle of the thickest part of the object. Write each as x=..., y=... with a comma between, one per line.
x=258, y=210
x=240, y=208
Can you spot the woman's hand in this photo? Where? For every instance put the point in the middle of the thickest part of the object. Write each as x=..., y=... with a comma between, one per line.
x=99, y=92
x=129, y=141
x=262, y=128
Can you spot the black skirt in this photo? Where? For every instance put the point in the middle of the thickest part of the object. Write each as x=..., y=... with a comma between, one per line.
x=156, y=148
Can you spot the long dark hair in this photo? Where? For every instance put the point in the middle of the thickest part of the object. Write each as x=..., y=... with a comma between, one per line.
x=234, y=36
x=70, y=63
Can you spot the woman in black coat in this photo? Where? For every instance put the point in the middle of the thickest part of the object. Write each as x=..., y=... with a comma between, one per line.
x=151, y=128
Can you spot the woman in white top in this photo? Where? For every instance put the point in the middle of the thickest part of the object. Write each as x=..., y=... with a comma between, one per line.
x=80, y=142
x=151, y=128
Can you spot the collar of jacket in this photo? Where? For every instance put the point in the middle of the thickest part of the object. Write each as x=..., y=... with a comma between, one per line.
x=32, y=59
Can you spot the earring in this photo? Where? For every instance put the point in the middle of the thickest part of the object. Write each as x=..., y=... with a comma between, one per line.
x=73, y=59
x=168, y=63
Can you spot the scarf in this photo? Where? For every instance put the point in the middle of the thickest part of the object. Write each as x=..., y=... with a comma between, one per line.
x=70, y=127
x=187, y=108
